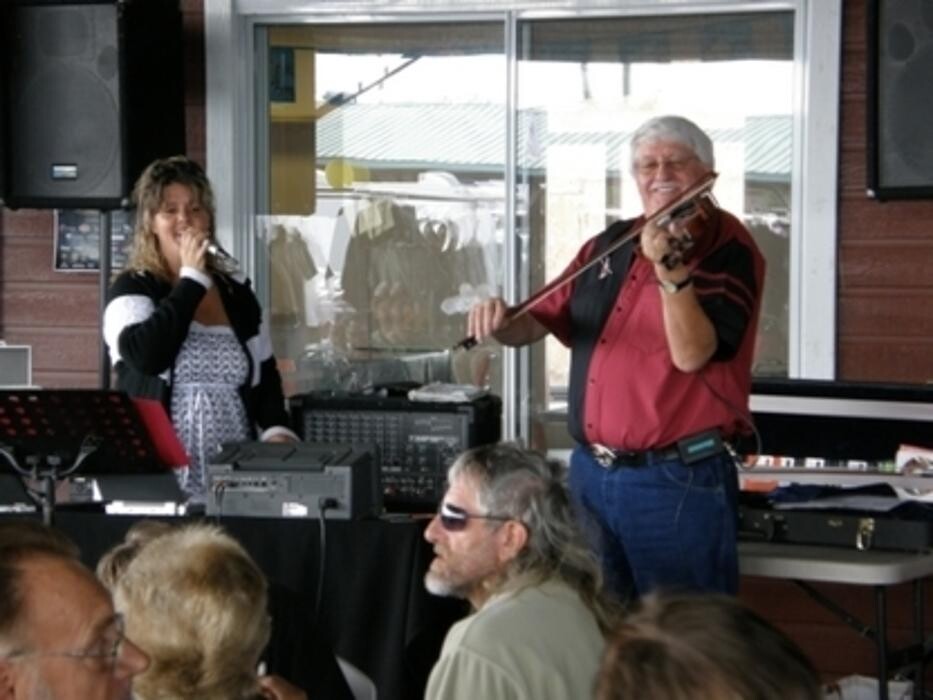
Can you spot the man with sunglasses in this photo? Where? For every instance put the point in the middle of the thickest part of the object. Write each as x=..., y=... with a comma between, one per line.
x=662, y=333
x=60, y=638
x=505, y=539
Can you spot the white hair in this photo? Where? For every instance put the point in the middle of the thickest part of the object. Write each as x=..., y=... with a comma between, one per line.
x=676, y=129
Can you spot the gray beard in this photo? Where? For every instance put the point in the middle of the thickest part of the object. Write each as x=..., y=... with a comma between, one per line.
x=438, y=586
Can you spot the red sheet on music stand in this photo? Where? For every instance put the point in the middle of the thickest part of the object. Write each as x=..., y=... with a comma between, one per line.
x=165, y=440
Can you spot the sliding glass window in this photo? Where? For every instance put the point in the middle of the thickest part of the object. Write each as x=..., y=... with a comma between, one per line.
x=585, y=85
x=382, y=214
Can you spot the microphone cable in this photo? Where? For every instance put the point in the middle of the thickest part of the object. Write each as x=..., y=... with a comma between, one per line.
x=220, y=489
x=324, y=503
x=743, y=417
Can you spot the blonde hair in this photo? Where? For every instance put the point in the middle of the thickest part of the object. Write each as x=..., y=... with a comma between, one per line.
x=195, y=602
x=113, y=563
x=147, y=197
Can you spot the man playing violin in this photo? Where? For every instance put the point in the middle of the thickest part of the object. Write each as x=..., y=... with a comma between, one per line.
x=662, y=333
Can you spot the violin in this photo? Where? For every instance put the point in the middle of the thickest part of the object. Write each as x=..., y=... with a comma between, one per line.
x=684, y=219
x=690, y=219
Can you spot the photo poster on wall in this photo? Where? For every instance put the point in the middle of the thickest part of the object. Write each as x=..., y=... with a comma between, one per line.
x=77, y=239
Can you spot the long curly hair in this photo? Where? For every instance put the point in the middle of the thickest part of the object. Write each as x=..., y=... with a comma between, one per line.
x=146, y=255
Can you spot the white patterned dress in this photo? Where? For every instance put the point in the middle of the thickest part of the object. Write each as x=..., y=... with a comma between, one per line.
x=207, y=410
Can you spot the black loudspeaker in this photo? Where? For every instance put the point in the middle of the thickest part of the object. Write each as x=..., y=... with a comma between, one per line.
x=3, y=101
x=94, y=92
x=900, y=98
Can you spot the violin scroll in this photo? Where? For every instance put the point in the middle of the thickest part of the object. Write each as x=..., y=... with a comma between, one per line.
x=691, y=218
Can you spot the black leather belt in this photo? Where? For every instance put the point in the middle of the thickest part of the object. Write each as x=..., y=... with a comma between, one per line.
x=608, y=457
x=688, y=450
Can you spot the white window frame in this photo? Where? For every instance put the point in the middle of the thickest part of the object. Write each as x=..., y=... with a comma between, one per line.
x=231, y=131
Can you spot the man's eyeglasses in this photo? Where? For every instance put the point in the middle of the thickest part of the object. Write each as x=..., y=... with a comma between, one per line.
x=454, y=519
x=105, y=650
x=675, y=165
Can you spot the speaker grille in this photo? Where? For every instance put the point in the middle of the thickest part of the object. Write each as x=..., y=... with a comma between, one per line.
x=905, y=93
x=62, y=33
x=908, y=123
x=87, y=140
x=95, y=92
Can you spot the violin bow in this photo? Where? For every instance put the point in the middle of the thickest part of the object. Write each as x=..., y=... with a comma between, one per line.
x=662, y=217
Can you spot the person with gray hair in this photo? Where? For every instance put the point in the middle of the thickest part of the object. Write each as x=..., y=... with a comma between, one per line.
x=674, y=130
x=662, y=334
x=505, y=539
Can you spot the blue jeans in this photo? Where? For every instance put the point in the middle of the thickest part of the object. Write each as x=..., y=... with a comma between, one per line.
x=664, y=525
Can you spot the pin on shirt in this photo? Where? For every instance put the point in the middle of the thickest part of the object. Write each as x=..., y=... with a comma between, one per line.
x=604, y=269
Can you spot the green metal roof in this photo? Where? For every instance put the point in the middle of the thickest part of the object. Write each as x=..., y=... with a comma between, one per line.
x=472, y=137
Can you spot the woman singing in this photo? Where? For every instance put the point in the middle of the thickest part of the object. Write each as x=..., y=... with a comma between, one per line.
x=182, y=327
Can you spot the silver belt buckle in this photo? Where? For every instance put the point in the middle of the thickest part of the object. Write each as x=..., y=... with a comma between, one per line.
x=604, y=456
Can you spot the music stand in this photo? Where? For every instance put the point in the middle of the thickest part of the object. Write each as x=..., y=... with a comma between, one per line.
x=48, y=435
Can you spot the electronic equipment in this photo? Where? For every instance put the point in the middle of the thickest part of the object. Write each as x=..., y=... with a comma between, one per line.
x=294, y=480
x=417, y=440
x=15, y=366
x=93, y=91
x=837, y=421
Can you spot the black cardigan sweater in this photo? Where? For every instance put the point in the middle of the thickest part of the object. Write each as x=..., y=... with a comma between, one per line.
x=147, y=320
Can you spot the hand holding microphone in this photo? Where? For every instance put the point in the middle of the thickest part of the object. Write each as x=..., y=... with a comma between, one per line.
x=192, y=249
x=196, y=246
x=215, y=251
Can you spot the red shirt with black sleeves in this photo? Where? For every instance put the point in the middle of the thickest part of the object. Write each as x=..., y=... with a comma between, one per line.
x=625, y=391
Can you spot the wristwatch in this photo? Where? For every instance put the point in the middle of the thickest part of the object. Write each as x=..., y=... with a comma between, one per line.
x=673, y=287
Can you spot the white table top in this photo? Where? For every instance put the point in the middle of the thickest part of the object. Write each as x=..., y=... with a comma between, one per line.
x=837, y=477
x=832, y=564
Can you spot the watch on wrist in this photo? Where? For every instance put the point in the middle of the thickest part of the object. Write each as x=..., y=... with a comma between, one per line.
x=671, y=287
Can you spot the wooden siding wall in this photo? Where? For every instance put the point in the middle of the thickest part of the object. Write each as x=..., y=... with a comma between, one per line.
x=885, y=329
x=57, y=313
x=885, y=324
x=885, y=333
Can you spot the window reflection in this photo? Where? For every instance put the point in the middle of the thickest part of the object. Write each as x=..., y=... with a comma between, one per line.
x=585, y=85
x=374, y=286
x=386, y=203
x=384, y=216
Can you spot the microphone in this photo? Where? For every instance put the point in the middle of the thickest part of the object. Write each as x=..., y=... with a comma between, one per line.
x=221, y=255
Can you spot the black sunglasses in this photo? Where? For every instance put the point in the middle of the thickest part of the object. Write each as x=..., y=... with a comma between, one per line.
x=455, y=519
